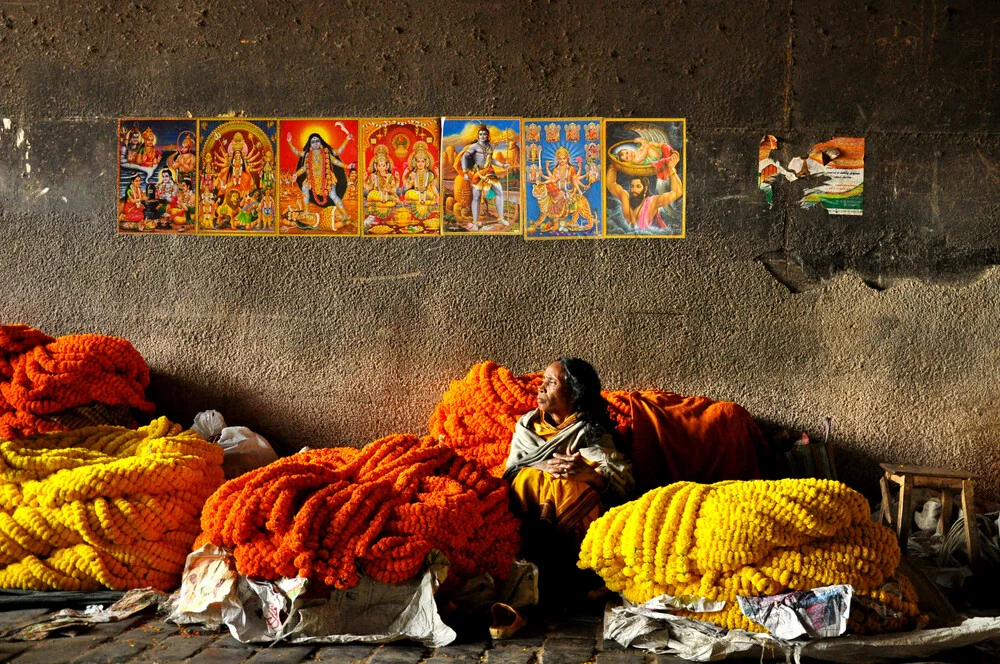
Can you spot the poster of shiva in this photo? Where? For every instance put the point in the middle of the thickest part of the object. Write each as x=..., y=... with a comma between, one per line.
x=236, y=192
x=563, y=164
x=399, y=168
x=157, y=175
x=481, y=176
x=645, y=181
x=318, y=191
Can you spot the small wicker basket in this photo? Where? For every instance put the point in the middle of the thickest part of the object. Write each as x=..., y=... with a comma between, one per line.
x=627, y=168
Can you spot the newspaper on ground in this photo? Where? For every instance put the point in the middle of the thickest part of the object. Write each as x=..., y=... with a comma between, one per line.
x=815, y=613
x=36, y=629
x=664, y=633
x=669, y=603
x=213, y=593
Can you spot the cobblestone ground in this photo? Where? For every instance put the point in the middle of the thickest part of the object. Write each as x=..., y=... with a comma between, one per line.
x=147, y=640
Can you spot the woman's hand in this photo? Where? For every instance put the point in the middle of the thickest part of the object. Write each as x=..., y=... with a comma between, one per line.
x=572, y=466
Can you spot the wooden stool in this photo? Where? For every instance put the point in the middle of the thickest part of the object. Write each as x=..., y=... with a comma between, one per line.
x=942, y=480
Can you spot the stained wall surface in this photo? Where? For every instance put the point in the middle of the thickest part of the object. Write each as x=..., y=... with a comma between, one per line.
x=885, y=322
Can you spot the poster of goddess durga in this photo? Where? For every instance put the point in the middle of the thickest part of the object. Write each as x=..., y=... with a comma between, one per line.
x=237, y=181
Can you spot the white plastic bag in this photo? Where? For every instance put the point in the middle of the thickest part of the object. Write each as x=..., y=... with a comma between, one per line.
x=245, y=450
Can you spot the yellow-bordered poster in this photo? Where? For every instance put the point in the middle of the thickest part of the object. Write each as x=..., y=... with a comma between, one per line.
x=481, y=176
x=563, y=166
x=401, y=188
x=318, y=180
x=157, y=175
x=646, y=177
x=236, y=185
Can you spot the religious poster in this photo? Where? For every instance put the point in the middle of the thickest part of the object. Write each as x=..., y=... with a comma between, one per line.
x=236, y=185
x=644, y=187
x=157, y=175
x=563, y=164
x=401, y=187
x=481, y=176
x=318, y=190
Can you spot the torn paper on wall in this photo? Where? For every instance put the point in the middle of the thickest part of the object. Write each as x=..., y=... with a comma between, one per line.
x=836, y=166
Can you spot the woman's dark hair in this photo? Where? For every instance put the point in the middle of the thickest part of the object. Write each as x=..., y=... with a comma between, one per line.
x=585, y=389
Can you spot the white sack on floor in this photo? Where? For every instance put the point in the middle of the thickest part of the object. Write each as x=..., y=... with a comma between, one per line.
x=213, y=593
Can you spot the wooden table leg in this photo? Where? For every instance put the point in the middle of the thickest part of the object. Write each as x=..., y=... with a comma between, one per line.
x=885, y=515
x=905, y=515
x=945, y=511
x=971, y=527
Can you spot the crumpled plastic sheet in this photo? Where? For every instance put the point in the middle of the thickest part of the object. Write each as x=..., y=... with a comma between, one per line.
x=213, y=593
x=663, y=633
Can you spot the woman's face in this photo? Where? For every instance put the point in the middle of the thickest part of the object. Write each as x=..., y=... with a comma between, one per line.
x=421, y=163
x=553, y=394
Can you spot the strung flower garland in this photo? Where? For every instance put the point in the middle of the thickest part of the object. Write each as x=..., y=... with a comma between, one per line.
x=41, y=377
x=477, y=414
x=325, y=513
x=103, y=506
x=752, y=538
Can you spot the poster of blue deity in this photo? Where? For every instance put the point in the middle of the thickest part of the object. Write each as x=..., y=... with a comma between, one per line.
x=563, y=167
x=481, y=176
x=157, y=175
x=645, y=181
x=236, y=186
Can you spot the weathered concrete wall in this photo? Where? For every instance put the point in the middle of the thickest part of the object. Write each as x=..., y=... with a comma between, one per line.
x=323, y=341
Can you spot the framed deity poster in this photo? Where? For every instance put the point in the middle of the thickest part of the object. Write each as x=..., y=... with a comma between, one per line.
x=157, y=175
x=481, y=176
x=646, y=177
x=236, y=184
x=400, y=160
x=318, y=187
x=563, y=163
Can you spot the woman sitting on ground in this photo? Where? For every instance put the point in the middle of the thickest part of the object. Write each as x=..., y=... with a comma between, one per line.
x=564, y=468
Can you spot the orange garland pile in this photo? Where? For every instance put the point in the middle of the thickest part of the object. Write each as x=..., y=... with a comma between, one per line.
x=41, y=376
x=476, y=415
x=324, y=513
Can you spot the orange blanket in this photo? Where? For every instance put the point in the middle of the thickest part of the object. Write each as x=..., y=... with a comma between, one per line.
x=677, y=438
x=43, y=380
x=669, y=437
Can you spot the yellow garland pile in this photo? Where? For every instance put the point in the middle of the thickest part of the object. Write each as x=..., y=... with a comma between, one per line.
x=754, y=538
x=103, y=506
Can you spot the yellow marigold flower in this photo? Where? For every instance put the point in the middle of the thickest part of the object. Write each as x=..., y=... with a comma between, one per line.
x=753, y=538
x=103, y=506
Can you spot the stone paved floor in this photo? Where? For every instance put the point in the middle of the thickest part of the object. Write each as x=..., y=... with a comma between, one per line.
x=146, y=640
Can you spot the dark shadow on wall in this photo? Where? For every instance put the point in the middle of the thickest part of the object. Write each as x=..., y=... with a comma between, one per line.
x=180, y=400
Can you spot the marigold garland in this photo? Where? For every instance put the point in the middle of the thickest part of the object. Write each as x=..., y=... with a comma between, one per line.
x=103, y=506
x=752, y=538
x=324, y=513
x=476, y=415
x=41, y=377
